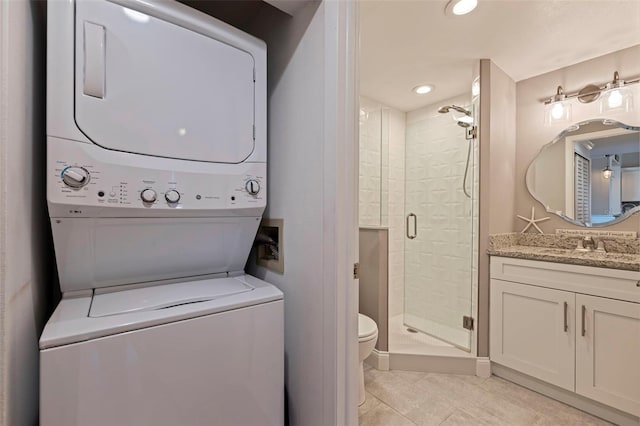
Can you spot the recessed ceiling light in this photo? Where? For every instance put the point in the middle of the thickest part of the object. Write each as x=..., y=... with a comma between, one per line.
x=460, y=7
x=424, y=89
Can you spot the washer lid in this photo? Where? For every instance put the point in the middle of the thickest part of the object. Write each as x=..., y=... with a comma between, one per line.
x=70, y=322
x=147, y=86
x=109, y=302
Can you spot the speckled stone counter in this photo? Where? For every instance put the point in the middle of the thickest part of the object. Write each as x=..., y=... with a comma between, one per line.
x=622, y=253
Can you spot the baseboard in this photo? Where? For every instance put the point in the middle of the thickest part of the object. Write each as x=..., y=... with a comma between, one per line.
x=483, y=367
x=570, y=398
x=378, y=360
x=385, y=361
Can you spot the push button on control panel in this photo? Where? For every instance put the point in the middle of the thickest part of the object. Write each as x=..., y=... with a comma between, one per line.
x=172, y=196
x=148, y=195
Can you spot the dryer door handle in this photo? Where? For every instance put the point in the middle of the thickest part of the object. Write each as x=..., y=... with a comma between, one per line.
x=94, y=59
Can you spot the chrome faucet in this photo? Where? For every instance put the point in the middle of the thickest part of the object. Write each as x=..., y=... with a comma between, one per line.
x=586, y=244
x=590, y=244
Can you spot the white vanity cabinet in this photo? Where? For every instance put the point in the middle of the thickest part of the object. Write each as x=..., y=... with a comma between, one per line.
x=530, y=331
x=575, y=327
x=608, y=352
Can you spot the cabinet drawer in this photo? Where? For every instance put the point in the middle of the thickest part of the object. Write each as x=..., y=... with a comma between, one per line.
x=611, y=283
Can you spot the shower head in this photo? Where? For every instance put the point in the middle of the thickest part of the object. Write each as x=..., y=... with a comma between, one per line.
x=445, y=109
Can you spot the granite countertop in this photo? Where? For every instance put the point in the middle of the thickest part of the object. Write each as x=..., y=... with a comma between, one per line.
x=622, y=253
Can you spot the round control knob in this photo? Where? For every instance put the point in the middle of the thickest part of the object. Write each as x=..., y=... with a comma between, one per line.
x=172, y=196
x=75, y=177
x=148, y=195
x=252, y=186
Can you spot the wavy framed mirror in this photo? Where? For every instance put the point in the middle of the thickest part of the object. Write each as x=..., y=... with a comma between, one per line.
x=589, y=174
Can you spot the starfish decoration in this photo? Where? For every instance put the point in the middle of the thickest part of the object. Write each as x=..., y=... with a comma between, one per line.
x=532, y=221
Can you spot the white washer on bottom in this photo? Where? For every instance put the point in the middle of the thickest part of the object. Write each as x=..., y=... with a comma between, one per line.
x=207, y=352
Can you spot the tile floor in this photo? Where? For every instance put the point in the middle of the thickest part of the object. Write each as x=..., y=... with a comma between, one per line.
x=399, y=398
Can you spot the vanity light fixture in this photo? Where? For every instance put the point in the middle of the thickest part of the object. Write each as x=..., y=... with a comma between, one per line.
x=617, y=97
x=557, y=108
x=460, y=7
x=614, y=97
x=423, y=89
x=606, y=172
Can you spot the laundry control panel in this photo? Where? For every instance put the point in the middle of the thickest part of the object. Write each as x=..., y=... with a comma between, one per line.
x=81, y=184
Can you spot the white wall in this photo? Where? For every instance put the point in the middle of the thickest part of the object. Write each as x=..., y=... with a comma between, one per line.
x=312, y=172
x=25, y=273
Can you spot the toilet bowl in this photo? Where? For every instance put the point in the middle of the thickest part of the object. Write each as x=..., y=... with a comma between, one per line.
x=367, y=338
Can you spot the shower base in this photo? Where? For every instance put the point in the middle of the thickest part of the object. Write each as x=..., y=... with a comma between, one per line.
x=402, y=341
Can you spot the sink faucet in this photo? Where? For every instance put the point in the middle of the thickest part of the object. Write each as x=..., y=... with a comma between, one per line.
x=586, y=244
x=590, y=244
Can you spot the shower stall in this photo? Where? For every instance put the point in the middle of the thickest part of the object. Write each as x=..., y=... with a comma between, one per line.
x=440, y=205
x=419, y=184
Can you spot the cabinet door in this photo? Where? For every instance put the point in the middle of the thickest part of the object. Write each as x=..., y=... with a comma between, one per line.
x=533, y=331
x=608, y=352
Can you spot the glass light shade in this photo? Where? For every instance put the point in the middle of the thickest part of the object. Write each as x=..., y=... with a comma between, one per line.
x=606, y=173
x=615, y=100
x=557, y=112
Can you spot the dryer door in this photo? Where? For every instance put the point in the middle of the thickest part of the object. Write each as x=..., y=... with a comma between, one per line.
x=147, y=86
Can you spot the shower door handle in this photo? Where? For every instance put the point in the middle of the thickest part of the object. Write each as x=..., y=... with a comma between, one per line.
x=415, y=226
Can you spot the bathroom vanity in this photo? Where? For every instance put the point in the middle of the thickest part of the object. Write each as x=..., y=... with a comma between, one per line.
x=571, y=326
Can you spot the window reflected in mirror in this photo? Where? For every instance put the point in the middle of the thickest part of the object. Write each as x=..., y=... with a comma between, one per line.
x=590, y=173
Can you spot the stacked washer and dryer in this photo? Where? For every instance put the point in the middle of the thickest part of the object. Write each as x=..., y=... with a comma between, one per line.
x=156, y=183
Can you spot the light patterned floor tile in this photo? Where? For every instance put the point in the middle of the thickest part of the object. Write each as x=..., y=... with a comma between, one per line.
x=383, y=415
x=461, y=418
x=369, y=403
x=427, y=399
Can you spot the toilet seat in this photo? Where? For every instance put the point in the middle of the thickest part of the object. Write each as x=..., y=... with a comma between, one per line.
x=367, y=328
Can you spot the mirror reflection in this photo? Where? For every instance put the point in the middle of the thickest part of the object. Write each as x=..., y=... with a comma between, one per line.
x=590, y=173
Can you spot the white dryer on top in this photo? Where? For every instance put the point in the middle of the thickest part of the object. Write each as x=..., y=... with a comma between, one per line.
x=156, y=183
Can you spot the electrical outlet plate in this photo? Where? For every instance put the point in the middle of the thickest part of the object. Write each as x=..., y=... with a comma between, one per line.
x=273, y=228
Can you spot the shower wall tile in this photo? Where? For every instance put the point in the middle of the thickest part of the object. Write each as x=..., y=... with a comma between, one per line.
x=370, y=175
x=396, y=190
x=381, y=200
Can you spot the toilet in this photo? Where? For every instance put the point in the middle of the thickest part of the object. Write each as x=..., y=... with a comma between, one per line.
x=367, y=338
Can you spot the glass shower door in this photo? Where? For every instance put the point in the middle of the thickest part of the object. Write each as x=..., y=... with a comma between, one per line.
x=439, y=243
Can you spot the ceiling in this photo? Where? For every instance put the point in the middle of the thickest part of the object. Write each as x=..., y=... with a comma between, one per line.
x=407, y=43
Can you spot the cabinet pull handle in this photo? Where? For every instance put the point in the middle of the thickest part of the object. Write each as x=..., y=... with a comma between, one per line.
x=566, y=323
x=584, y=311
x=415, y=226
